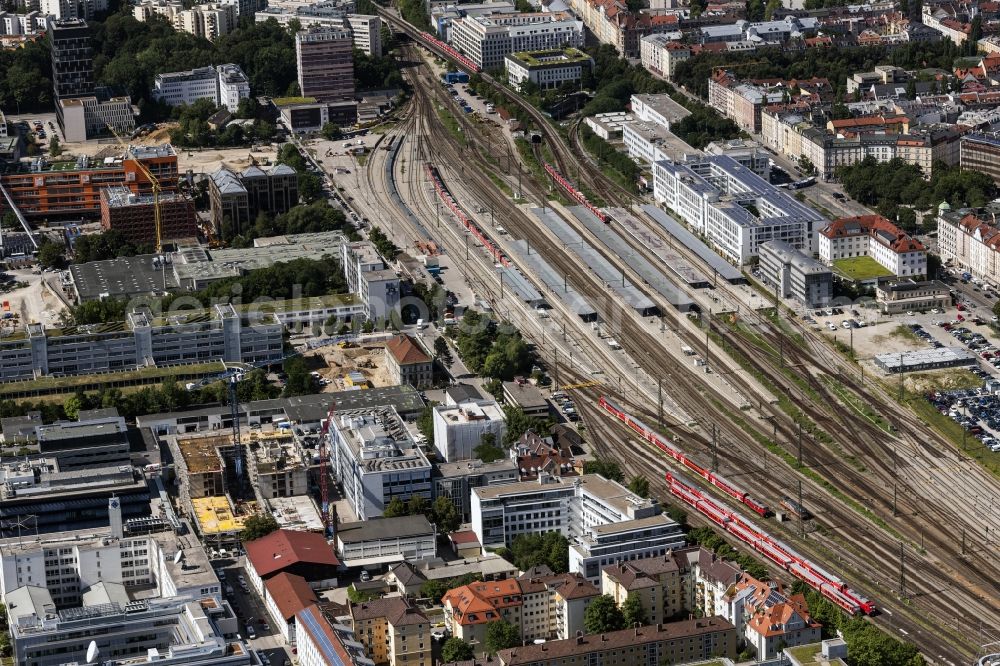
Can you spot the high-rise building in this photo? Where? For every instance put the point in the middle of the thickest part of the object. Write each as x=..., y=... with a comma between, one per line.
x=324, y=56
x=72, y=58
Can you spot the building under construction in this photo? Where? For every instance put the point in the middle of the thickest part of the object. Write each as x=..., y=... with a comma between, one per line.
x=276, y=465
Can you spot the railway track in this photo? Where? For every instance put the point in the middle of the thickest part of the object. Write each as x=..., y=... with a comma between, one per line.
x=839, y=517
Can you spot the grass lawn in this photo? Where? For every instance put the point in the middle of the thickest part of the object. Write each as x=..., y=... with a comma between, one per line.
x=861, y=268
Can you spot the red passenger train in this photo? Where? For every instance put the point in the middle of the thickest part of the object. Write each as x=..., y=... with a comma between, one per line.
x=576, y=194
x=441, y=46
x=661, y=443
x=777, y=552
x=473, y=228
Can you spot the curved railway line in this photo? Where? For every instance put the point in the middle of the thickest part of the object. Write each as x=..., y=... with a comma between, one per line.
x=949, y=589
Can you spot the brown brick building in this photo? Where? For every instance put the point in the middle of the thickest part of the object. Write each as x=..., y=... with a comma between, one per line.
x=133, y=215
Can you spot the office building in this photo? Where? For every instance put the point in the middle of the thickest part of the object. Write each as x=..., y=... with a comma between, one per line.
x=236, y=200
x=89, y=116
x=72, y=58
x=386, y=541
x=324, y=57
x=323, y=640
x=375, y=460
x=368, y=275
x=525, y=396
x=224, y=85
x=542, y=607
x=604, y=522
x=52, y=191
x=732, y=207
x=459, y=429
x=487, y=39
x=548, y=70
x=143, y=339
x=133, y=216
x=408, y=363
x=876, y=237
x=660, y=109
x=393, y=631
x=796, y=275
x=456, y=480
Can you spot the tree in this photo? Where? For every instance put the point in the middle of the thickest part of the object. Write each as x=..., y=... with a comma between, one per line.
x=417, y=506
x=455, y=649
x=609, y=469
x=55, y=150
x=73, y=404
x=488, y=451
x=331, y=132
x=632, y=611
x=602, y=615
x=298, y=380
x=50, y=255
x=257, y=526
x=550, y=549
x=640, y=486
x=442, y=350
x=395, y=508
x=501, y=635
x=445, y=515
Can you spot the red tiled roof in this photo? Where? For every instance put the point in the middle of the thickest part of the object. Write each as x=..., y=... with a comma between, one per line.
x=283, y=548
x=466, y=536
x=872, y=225
x=291, y=594
x=479, y=603
x=406, y=351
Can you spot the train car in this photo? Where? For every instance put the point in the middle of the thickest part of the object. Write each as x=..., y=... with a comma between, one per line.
x=473, y=228
x=795, y=508
x=576, y=194
x=663, y=444
x=830, y=586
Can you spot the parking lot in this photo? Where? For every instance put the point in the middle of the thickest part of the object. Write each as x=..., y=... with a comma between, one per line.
x=976, y=410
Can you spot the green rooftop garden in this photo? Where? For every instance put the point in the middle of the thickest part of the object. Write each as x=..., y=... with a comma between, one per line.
x=861, y=268
x=286, y=101
x=550, y=56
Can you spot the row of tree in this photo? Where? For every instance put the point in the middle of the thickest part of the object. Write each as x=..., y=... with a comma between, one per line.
x=441, y=512
x=489, y=351
x=898, y=189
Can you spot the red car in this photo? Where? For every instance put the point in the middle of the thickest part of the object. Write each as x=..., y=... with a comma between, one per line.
x=960, y=317
x=961, y=308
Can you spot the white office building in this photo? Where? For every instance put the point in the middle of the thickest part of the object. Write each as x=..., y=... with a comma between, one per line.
x=375, y=460
x=548, y=70
x=459, y=429
x=225, y=85
x=382, y=541
x=487, y=39
x=794, y=274
x=369, y=277
x=367, y=32
x=732, y=207
x=603, y=520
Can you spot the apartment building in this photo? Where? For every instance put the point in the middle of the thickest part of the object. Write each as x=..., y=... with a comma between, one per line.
x=796, y=275
x=408, y=363
x=375, y=460
x=970, y=240
x=603, y=520
x=366, y=31
x=393, y=631
x=459, y=429
x=762, y=32
x=487, y=39
x=324, y=57
x=225, y=85
x=687, y=580
x=285, y=596
x=612, y=22
x=876, y=237
x=769, y=619
x=133, y=216
x=72, y=9
x=734, y=208
x=674, y=643
x=660, y=53
x=542, y=607
x=741, y=102
x=981, y=152
x=45, y=189
x=277, y=465
x=208, y=20
x=548, y=70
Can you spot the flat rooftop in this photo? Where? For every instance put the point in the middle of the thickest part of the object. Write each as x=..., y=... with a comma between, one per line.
x=125, y=276
x=384, y=528
x=215, y=515
x=201, y=454
x=298, y=512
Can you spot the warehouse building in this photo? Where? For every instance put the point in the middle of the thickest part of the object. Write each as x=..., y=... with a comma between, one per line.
x=925, y=359
x=795, y=275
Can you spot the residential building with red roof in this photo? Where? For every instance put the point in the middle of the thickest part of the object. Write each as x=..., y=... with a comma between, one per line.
x=876, y=237
x=541, y=606
x=768, y=619
x=393, y=631
x=322, y=640
x=285, y=596
x=305, y=554
x=408, y=363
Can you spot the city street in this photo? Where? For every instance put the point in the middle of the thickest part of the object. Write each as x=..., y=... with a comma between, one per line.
x=249, y=607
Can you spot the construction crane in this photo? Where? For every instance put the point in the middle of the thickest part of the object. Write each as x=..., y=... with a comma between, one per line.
x=154, y=184
x=324, y=469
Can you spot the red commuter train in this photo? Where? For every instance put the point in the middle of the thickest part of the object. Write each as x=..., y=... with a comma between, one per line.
x=661, y=443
